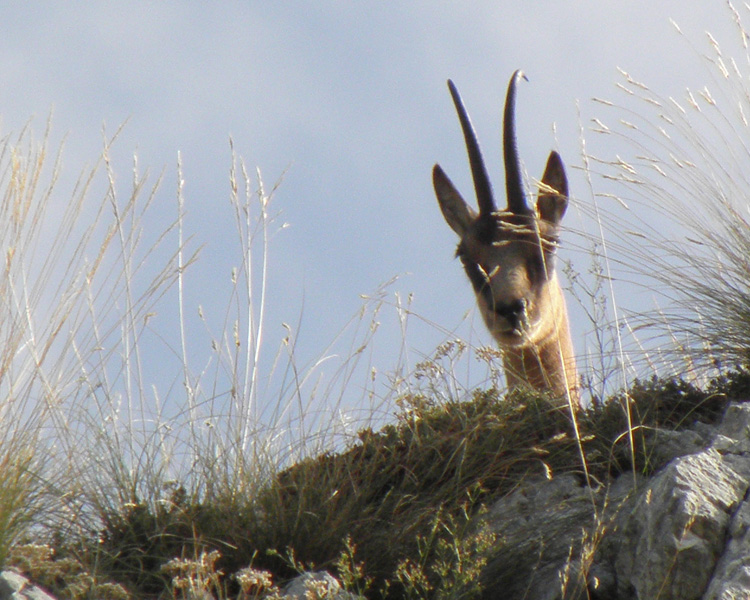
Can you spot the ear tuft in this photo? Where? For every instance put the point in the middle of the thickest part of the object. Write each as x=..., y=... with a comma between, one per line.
x=553, y=193
x=457, y=213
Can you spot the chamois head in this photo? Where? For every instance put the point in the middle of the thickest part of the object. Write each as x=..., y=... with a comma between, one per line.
x=508, y=254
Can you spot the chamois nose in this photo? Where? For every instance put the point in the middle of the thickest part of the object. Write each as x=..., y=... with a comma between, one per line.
x=514, y=312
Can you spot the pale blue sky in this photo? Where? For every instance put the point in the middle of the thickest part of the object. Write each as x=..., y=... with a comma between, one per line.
x=348, y=98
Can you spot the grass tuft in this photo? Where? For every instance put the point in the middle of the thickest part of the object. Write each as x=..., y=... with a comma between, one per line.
x=680, y=179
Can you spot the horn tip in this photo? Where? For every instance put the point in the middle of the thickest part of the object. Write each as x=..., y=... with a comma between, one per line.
x=454, y=93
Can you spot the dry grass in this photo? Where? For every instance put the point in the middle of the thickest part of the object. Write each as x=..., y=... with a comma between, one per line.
x=92, y=449
x=681, y=180
x=392, y=514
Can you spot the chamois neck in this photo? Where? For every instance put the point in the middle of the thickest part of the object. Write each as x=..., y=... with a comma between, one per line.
x=546, y=366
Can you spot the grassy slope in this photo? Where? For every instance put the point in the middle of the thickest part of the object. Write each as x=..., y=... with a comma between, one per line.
x=393, y=502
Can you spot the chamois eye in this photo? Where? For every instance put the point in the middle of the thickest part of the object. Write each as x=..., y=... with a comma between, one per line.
x=535, y=267
x=476, y=274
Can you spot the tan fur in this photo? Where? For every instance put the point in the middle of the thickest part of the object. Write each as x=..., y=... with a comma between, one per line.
x=545, y=361
x=508, y=256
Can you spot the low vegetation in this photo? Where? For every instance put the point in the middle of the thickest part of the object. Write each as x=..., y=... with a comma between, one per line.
x=391, y=516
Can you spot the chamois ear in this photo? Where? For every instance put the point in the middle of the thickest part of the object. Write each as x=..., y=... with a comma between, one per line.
x=457, y=213
x=553, y=192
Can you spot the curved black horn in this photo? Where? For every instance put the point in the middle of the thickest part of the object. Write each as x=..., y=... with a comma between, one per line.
x=482, y=184
x=513, y=182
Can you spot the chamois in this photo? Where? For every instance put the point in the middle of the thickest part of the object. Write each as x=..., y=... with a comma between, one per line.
x=509, y=256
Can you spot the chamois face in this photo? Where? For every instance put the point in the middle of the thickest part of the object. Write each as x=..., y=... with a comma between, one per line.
x=509, y=262
x=508, y=255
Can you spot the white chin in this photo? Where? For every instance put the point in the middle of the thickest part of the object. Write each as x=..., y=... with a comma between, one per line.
x=508, y=335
